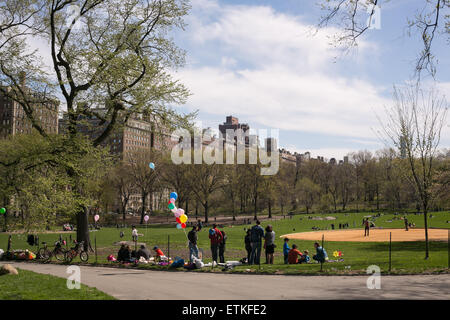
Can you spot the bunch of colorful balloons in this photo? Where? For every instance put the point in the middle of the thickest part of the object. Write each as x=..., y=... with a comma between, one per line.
x=337, y=254
x=179, y=214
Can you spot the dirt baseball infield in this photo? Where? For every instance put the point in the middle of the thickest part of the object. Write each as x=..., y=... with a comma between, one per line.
x=376, y=235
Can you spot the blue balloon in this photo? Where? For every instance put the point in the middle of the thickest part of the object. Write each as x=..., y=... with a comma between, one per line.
x=178, y=226
x=174, y=195
x=151, y=165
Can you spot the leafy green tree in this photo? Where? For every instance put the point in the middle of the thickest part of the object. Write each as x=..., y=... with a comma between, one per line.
x=114, y=54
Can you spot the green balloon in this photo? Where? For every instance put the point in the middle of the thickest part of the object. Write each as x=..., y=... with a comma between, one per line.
x=171, y=206
x=2, y=210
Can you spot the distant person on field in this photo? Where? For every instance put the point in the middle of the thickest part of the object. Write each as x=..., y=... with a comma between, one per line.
x=269, y=244
x=286, y=249
x=321, y=254
x=294, y=253
x=216, y=238
x=366, y=227
x=193, y=248
x=257, y=234
x=248, y=244
x=134, y=234
x=199, y=225
x=406, y=223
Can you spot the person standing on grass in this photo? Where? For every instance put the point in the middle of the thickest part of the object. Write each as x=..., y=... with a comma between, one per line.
x=257, y=234
x=366, y=227
x=248, y=245
x=216, y=238
x=321, y=254
x=193, y=248
x=269, y=244
x=406, y=223
x=134, y=234
x=286, y=249
x=222, y=247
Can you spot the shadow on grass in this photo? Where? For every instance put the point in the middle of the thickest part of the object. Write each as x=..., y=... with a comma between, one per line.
x=418, y=246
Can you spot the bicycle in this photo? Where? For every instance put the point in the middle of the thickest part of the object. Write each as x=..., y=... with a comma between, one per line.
x=46, y=254
x=77, y=250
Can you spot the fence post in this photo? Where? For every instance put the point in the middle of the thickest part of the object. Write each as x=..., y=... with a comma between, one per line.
x=390, y=251
x=448, y=246
x=321, y=263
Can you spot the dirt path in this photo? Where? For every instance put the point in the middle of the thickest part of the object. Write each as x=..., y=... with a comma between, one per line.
x=144, y=284
x=376, y=235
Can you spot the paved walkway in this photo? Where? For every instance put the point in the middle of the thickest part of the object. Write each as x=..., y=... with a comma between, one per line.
x=145, y=284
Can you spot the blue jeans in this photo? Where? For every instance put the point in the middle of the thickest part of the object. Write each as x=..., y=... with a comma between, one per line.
x=256, y=253
x=214, y=251
x=193, y=251
x=286, y=256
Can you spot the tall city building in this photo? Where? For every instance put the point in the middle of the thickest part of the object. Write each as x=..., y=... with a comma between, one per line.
x=139, y=134
x=13, y=119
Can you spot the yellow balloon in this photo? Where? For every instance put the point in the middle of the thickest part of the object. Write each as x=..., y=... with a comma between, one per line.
x=183, y=218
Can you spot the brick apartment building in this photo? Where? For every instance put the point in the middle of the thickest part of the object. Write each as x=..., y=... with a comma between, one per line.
x=140, y=134
x=13, y=119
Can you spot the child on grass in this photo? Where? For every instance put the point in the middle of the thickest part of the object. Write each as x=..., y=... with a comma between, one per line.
x=286, y=249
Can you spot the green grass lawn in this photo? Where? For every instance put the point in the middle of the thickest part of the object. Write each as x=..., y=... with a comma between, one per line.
x=29, y=285
x=407, y=257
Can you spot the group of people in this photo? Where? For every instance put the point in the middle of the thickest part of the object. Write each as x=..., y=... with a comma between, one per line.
x=253, y=244
x=125, y=253
x=295, y=256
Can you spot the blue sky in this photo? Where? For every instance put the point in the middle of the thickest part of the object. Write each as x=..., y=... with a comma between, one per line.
x=260, y=61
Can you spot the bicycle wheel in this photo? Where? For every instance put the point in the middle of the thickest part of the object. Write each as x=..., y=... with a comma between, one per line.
x=68, y=256
x=44, y=254
x=59, y=254
x=84, y=256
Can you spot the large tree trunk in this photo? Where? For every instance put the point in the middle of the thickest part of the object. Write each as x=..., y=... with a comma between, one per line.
x=144, y=195
x=425, y=214
x=83, y=228
x=206, y=211
x=6, y=202
x=256, y=208
x=233, y=211
x=124, y=212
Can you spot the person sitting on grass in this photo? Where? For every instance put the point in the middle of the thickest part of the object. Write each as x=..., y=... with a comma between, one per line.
x=305, y=257
x=286, y=249
x=321, y=254
x=158, y=254
x=124, y=254
x=143, y=252
x=294, y=253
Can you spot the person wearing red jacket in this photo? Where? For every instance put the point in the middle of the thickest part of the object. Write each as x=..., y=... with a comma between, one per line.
x=216, y=238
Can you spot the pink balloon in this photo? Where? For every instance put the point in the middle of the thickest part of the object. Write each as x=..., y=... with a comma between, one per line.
x=178, y=214
x=180, y=211
x=172, y=200
x=146, y=218
x=174, y=210
x=96, y=217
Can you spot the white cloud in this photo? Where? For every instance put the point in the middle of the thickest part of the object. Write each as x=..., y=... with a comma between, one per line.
x=271, y=70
